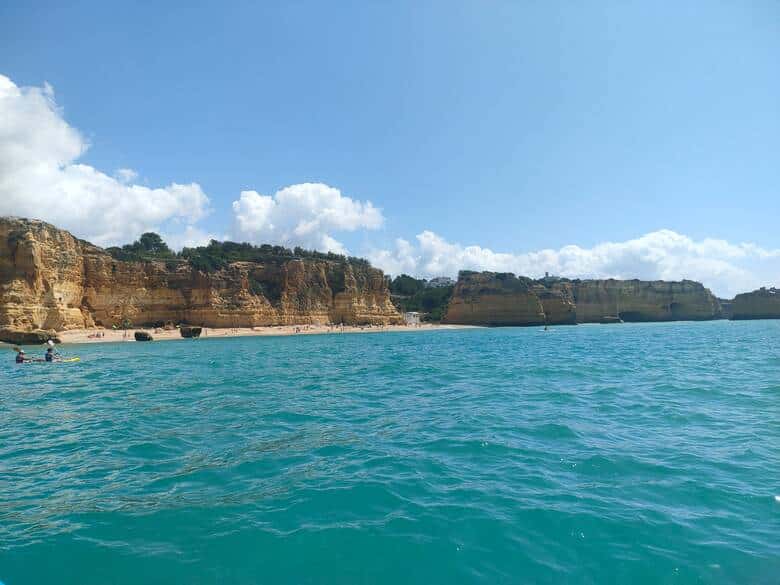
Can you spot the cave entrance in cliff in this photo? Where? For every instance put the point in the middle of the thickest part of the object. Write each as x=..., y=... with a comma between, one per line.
x=631, y=316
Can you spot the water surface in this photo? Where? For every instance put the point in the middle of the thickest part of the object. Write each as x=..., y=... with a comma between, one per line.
x=642, y=453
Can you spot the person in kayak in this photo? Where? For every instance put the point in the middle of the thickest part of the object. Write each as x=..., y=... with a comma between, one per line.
x=21, y=358
x=50, y=355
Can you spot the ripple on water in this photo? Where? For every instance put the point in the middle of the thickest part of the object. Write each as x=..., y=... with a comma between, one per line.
x=639, y=453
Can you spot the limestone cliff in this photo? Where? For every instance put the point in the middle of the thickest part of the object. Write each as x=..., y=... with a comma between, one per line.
x=760, y=304
x=642, y=300
x=489, y=298
x=52, y=280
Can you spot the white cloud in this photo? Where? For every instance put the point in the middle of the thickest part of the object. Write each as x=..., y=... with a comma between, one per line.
x=41, y=178
x=190, y=237
x=126, y=175
x=724, y=267
x=302, y=215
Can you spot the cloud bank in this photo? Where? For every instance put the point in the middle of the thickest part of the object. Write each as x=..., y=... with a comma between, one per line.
x=724, y=267
x=302, y=215
x=40, y=176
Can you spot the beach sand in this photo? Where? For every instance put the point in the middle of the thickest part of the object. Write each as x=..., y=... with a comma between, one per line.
x=110, y=335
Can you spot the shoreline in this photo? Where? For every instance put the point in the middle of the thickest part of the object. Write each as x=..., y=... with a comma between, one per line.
x=77, y=336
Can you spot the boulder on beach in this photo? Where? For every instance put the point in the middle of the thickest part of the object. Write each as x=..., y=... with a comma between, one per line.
x=33, y=337
x=143, y=336
x=189, y=332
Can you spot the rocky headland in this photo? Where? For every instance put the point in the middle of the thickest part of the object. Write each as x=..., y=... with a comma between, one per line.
x=490, y=298
x=759, y=304
x=52, y=281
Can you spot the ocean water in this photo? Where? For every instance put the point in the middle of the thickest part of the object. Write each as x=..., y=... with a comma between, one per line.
x=638, y=453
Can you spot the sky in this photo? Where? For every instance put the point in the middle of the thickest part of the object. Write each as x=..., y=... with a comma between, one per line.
x=609, y=139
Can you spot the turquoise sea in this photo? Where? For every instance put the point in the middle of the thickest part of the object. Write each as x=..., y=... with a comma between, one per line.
x=636, y=453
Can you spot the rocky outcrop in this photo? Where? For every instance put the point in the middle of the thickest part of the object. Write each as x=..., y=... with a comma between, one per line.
x=642, y=300
x=18, y=337
x=190, y=332
x=760, y=304
x=52, y=280
x=558, y=303
x=487, y=298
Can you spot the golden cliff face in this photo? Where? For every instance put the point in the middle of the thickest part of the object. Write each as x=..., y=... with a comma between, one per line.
x=760, y=304
x=41, y=276
x=642, y=300
x=51, y=280
x=486, y=298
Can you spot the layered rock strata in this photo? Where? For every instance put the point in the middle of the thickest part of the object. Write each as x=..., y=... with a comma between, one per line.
x=643, y=300
x=760, y=304
x=489, y=298
x=51, y=280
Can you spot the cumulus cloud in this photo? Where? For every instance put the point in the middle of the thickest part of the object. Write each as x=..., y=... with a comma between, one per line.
x=41, y=178
x=189, y=237
x=126, y=175
x=725, y=267
x=302, y=215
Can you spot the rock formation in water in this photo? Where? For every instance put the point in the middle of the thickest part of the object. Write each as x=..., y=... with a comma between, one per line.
x=760, y=304
x=489, y=298
x=53, y=281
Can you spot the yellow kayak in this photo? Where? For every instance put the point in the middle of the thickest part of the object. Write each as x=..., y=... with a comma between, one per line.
x=62, y=361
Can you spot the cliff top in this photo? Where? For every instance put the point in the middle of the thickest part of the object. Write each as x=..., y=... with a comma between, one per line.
x=150, y=247
x=762, y=292
x=510, y=279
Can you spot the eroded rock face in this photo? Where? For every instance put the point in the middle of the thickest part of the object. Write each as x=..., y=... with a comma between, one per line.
x=18, y=337
x=487, y=298
x=759, y=304
x=51, y=280
x=642, y=300
x=558, y=303
x=39, y=288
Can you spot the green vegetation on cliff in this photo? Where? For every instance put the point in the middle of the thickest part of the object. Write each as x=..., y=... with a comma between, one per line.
x=217, y=255
x=149, y=246
x=413, y=294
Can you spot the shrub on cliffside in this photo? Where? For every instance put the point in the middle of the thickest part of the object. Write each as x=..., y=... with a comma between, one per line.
x=149, y=246
x=217, y=255
x=406, y=285
x=413, y=294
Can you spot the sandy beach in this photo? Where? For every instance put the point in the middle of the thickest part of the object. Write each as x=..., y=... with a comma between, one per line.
x=110, y=335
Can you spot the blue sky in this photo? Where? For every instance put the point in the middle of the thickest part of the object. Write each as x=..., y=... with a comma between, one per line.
x=512, y=126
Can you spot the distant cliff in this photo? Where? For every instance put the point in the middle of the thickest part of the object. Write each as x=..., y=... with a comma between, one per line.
x=760, y=304
x=643, y=300
x=51, y=280
x=490, y=298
